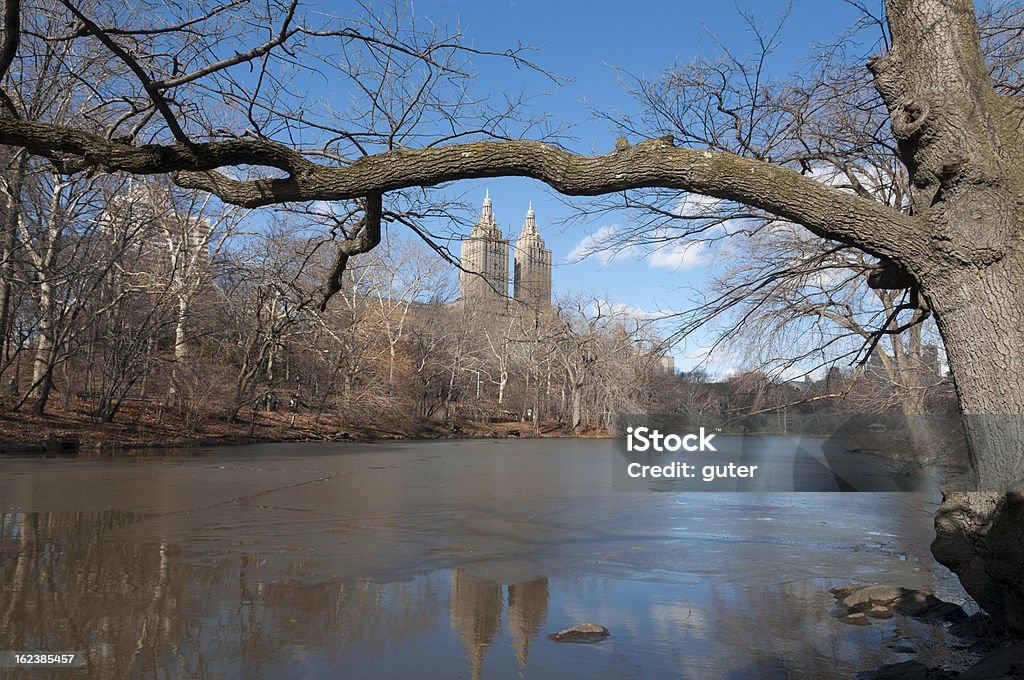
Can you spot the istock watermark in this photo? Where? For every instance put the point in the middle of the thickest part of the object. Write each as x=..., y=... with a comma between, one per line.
x=642, y=439
x=783, y=452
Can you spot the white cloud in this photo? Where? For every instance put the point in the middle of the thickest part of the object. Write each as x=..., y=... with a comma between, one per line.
x=828, y=278
x=698, y=205
x=619, y=310
x=605, y=245
x=679, y=257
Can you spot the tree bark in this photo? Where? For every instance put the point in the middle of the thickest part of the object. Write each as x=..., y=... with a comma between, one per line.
x=42, y=365
x=982, y=323
x=8, y=245
x=181, y=329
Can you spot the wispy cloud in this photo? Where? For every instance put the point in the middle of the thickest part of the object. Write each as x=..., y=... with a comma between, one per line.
x=604, y=245
x=679, y=257
x=619, y=310
x=695, y=205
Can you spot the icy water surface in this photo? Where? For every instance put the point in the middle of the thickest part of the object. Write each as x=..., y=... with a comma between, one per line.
x=440, y=560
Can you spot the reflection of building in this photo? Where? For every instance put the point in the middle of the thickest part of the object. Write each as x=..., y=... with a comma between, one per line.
x=476, y=608
x=484, y=278
x=527, y=612
x=476, y=615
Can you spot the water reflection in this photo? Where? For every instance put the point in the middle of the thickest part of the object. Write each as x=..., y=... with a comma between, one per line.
x=140, y=609
x=438, y=560
x=476, y=611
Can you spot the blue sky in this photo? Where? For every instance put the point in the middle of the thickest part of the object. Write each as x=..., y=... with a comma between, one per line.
x=583, y=41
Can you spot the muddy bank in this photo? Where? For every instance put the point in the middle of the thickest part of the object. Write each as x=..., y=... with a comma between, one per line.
x=141, y=428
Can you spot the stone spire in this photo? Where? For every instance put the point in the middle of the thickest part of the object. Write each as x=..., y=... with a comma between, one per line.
x=486, y=226
x=530, y=235
x=527, y=613
x=532, y=274
x=488, y=213
x=476, y=608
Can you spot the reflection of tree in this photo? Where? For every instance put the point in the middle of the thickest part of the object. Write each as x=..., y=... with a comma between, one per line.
x=71, y=583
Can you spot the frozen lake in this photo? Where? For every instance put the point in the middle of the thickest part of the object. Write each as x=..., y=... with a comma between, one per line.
x=440, y=559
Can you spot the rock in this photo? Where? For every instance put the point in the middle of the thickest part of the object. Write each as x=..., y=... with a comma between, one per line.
x=879, y=612
x=842, y=591
x=980, y=537
x=930, y=608
x=974, y=627
x=907, y=670
x=854, y=619
x=884, y=600
x=584, y=633
x=978, y=634
x=1006, y=663
x=865, y=598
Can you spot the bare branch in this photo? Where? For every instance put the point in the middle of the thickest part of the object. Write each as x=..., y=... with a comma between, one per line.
x=365, y=237
x=147, y=83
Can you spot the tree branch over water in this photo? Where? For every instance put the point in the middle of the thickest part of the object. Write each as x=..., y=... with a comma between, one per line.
x=654, y=163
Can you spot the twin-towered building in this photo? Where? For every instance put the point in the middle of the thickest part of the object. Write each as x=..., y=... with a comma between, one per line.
x=485, y=279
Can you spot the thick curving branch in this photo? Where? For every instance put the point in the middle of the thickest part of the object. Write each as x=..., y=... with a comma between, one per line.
x=827, y=211
x=69, y=144
x=365, y=237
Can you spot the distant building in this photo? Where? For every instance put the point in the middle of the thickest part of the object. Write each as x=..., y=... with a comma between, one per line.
x=485, y=258
x=484, y=278
x=930, y=358
x=154, y=236
x=667, y=364
x=532, y=266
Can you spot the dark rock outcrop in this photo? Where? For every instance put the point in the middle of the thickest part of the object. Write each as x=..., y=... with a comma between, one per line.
x=980, y=537
x=857, y=604
x=1006, y=663
x=907, y=670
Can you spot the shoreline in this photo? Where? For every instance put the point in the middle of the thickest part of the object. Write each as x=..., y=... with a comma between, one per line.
x=60, y=434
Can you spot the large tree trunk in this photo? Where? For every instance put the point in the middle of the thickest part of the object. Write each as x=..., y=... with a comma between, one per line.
x=982, y=324
x=963, y=147
x=980, y=536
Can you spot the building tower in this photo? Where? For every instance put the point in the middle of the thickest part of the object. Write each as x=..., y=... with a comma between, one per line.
x=484, y=260
x=533, y=266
